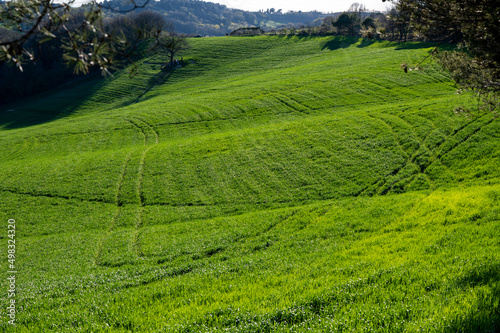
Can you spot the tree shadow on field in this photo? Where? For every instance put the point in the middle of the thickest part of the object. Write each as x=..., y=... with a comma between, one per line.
x=366, y=42
x=161, y=78
x=300, y=37
x=413, y=45
x=340, y=43
x=50, y=105
x=484, y=316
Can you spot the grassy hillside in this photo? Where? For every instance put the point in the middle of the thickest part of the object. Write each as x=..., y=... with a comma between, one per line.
x=271, y=184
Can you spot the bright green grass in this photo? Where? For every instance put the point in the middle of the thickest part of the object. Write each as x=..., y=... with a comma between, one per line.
x=272, y=184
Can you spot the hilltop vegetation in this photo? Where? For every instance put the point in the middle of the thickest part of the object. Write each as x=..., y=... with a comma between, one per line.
x=270, y=184
x=209, y=18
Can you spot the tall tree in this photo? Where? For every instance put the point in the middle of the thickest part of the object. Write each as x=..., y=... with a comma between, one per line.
x=357, y=7
x=149, y=24
x=347, y=24
x=398, y=22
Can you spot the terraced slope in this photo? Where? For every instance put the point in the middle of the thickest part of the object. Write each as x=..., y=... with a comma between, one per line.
x=271, y=184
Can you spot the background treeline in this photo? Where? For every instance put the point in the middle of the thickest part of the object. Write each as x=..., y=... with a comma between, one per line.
x=358, y=21
x=207, y=18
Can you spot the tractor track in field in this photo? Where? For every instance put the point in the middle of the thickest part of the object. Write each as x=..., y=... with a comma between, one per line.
x=150, y=139
x=398, y=143
x=411, y=159
x=135, y=243
x=118, y=203
x=463, y=140
x=285, y=53
x=436, y=154
x=150, y=134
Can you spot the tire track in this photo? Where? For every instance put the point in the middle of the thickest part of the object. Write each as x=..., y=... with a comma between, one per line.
x=386, y=186
x=135, y=245
x=28, y=144
x=415, y=155
x=291, y=104
x=138, y=127
x=149, y=134
x=442, y=153
x=150, y=127
x=140, y=209
x=52, y=196
x=118, y=203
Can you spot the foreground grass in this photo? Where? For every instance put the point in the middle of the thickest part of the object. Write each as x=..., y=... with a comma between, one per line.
x=272, y=184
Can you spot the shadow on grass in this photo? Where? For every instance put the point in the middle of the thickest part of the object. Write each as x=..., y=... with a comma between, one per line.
x=339, y=43
x=484, y=315
x=50, y=105
x=366, y=42
x=414, y=45
x=160, y=78
x=64, y=100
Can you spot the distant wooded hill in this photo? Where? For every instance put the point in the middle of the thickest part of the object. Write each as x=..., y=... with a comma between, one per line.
x=207, y=18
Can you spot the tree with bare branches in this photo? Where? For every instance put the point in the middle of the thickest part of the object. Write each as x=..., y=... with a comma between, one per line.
x=171, y=43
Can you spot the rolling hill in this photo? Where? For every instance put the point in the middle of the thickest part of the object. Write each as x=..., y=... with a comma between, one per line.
x=271, y=184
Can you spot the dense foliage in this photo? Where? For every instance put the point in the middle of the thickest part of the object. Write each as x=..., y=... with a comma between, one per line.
x=81, y=33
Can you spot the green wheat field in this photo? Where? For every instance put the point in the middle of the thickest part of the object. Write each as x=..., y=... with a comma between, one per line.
x=272, y=184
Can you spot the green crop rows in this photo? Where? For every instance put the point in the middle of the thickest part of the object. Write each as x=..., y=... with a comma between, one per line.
x=272, y=184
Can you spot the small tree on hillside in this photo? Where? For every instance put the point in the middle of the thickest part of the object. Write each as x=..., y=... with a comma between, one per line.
x=368, y=23
x=399, y=22
x=370, y=29
x=171, y=44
